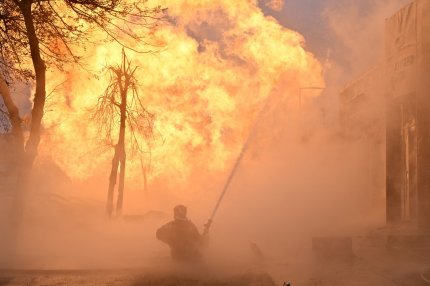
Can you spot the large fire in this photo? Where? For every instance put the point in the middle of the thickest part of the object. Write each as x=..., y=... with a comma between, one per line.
x=217, y=62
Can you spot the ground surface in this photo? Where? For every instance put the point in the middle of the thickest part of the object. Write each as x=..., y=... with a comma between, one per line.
x=387, y=257
x=47, y=278
x=371, y=266
x=128, y=277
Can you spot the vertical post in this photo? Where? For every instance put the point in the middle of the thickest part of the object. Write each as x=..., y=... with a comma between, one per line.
x=300, y=98
x=393, y=161
x=423, y=115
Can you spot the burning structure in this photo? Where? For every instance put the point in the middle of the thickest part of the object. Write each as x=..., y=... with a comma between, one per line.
x=394, y=96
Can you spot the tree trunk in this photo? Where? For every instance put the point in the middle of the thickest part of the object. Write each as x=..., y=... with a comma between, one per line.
x=13, y=111
x=112, y=182
x=121, y=140
x=121, y=185
x=15, y=120
x=145, y=177
x=119, y=156
x=30, y=152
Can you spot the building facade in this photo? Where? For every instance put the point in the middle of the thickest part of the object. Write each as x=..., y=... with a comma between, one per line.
x=407, y=58
x=400, y=88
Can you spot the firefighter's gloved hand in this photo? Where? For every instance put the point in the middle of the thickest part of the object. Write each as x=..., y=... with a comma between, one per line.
x=207, y=226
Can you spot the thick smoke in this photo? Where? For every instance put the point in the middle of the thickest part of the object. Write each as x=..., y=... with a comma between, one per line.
x=276, y=5
x=221, y=64
x=356, y=31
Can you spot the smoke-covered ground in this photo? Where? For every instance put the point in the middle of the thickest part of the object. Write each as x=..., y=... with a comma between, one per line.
x=289, y=188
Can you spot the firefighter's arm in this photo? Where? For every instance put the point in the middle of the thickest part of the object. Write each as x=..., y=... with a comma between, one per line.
x=204, y=239
x=163, y=233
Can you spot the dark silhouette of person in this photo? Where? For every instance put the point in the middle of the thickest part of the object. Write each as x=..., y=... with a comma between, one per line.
x=182, y=236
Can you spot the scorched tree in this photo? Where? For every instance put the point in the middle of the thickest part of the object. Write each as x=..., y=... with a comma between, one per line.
x=40, y=34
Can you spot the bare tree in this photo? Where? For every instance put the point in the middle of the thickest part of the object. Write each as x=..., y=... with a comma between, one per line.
x=120, y=107
x=46, y=33
x=11, y=111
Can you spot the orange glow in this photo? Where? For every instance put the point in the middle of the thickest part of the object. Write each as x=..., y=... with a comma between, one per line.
x=220, y=60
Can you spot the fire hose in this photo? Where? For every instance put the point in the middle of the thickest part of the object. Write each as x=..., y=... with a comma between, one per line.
x=236, y=166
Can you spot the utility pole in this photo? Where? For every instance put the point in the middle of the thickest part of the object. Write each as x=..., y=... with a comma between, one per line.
x=307, y=88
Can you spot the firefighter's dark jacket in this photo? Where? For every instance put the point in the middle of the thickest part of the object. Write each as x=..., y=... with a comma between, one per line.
x=183, y=238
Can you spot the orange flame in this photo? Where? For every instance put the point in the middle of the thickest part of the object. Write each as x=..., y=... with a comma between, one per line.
x=221, y=60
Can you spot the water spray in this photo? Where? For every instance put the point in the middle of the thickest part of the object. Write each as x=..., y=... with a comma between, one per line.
x=236, y=165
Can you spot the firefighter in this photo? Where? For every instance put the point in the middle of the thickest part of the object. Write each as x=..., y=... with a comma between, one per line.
x=182, y=236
